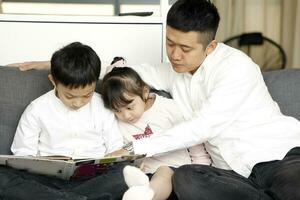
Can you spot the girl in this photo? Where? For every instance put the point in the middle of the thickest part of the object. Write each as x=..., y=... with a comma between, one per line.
x=142, y=114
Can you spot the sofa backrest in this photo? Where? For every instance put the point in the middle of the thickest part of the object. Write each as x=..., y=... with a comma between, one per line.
x=284, y=87
x=18, y=89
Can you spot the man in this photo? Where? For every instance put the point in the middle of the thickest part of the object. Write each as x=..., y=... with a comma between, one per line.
x=227, y=106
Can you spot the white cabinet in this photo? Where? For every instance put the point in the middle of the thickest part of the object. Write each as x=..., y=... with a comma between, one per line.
x=36, y=37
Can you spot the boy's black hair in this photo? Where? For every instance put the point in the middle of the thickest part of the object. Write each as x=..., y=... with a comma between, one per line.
x=195, y=15
x=117, y=83
x=75, y=65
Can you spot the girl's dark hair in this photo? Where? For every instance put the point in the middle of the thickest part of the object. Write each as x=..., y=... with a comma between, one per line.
x=75, y=65
x=116, y=59
x=117, y=83
x=195, y=15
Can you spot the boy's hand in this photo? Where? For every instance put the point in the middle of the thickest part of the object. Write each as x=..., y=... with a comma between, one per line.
x=120, y=152
x=39, y=65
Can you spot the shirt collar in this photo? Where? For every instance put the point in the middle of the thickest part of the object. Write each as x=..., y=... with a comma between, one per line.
x=207, y=62
x=209, y=58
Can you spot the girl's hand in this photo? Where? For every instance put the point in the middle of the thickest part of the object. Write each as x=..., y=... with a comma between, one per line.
x=120, y=152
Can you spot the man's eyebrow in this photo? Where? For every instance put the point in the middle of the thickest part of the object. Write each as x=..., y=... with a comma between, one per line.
x=169, y=39
x=182, y=45
x=186, y=46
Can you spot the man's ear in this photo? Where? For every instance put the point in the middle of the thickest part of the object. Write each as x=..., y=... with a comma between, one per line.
x=51, y=79
x=211, y=47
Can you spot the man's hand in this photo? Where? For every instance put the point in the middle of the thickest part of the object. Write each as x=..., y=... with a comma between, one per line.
x=39, y=65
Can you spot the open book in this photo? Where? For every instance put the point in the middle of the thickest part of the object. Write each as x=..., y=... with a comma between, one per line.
x=64, y=167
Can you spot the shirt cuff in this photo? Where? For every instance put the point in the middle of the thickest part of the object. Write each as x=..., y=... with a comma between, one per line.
x=143, y=147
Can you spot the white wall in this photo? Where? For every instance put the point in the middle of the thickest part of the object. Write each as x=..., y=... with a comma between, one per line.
x=77, y=8
x=57, y=8
x=36, y=37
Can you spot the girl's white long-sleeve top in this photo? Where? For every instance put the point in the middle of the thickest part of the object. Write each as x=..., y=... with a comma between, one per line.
x=228, y=107
x=163, y=114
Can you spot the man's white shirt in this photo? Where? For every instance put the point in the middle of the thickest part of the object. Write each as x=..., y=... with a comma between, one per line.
x=47, y=127
x=228, y=107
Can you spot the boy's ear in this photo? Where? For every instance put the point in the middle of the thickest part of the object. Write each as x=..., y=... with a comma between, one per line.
x=51, y=79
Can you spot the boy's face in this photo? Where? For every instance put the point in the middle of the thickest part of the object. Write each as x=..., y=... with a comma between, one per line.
x=74, y=98
x=184, y=50
x=132, y=112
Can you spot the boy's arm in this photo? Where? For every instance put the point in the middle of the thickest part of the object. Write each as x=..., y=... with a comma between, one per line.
x=112, y=135
x=26, y=138
x=24, y=66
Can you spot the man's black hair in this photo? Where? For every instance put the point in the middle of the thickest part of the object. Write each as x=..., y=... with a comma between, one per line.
x=195, y=15
x=75, y=65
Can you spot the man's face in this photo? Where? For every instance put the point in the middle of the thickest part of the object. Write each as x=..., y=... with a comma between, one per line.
x=75, y=98
x=184, y=50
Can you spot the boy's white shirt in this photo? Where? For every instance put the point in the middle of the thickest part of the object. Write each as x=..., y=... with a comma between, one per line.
x=162, y=115
x=228, y=107
x=47, y=127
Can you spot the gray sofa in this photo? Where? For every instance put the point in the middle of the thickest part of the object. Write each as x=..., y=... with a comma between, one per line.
x=18, y=88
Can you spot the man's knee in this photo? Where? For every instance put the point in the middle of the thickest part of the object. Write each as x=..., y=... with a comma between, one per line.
x=179, y=174
x=286, y=180
x=189, y=178
x=293, y=152
x=206, y=182
x=182, y=182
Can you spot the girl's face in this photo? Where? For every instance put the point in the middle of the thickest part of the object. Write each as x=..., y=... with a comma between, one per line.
x=132, y=112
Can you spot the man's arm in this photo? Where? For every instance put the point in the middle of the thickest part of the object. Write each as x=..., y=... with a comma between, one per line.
x=39, y=65
x=238, y=85
x=159, y=76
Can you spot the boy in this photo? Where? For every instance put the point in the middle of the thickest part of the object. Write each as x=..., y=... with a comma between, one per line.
x=70, y=121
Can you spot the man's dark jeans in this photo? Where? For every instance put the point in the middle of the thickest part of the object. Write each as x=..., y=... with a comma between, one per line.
x=20, y=185
x=274, y=180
